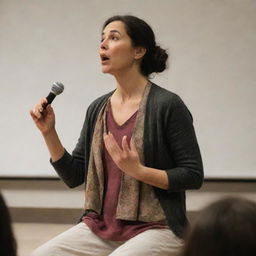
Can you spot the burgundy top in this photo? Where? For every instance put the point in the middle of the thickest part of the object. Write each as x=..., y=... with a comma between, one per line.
x=107, y=226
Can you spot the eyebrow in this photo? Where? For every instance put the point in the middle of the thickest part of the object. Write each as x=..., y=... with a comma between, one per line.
x=112, y=31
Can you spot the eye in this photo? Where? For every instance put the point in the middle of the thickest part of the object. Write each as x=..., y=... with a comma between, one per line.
x=115, y=38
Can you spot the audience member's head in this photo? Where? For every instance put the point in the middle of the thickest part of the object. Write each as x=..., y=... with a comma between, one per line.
x=7, y=240
x=224, y=228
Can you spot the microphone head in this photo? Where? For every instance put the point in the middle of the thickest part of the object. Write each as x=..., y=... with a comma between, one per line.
x=57, y=88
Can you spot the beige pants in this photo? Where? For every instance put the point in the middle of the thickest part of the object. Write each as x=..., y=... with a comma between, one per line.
x=80, y=241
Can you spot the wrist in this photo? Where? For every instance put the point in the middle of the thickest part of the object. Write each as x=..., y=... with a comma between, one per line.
x=140, y=173
x=49, y=133
x=151, y=176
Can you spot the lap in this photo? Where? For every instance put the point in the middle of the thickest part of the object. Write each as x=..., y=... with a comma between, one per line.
x=78, y=240
x=161, y=242
x=81, y=241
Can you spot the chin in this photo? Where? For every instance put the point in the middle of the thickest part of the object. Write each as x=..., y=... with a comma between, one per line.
x=106, y=71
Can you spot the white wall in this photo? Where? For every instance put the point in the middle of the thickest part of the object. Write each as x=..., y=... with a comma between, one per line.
x=212, y=48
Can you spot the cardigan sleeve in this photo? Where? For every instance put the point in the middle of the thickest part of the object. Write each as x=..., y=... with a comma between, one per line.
x=184, y=149
x=71, y=167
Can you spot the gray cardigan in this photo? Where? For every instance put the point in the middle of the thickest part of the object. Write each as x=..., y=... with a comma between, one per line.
x=170, y=144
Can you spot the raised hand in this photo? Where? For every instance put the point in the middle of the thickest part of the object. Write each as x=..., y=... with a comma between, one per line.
x=43, y=118
x=126, y=158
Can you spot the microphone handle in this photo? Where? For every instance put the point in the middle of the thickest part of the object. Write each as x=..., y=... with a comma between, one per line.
x=51, y=96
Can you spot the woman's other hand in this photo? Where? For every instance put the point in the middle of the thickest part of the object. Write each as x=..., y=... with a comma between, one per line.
x=125, y=157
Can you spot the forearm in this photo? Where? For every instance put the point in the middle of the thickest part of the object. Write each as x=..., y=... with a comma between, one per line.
x=154, y=177
x=54, y=145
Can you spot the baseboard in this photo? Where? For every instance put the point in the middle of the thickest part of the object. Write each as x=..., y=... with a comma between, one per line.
x=45, y=215
x=57, y=215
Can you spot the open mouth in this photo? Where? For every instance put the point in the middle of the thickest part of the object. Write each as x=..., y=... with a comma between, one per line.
x=104, y=58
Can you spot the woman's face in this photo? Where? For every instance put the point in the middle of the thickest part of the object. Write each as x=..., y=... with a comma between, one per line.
x=116, y=51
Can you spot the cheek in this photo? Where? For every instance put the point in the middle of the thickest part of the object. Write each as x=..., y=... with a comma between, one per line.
x=125, y=57
x=122, y=51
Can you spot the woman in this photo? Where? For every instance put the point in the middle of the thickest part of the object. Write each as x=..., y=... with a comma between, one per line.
x=7, y=240
x=137, y=154
x=224, y=228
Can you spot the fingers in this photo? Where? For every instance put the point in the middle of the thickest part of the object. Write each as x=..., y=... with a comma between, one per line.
x=39, y=108
x=43, y=102
x=111, y=144
x=126, y=159
x=125, y=145
x=33, y=115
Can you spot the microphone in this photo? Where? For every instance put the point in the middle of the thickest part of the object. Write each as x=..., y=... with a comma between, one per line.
x=57, y=88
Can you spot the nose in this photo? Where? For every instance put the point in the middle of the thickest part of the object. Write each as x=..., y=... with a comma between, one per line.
x=103, y=45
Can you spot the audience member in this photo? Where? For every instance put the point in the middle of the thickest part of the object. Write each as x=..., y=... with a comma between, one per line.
x=8, y=245
x=224, y=228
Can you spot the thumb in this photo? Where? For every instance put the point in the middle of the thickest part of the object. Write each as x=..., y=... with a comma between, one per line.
x=49, y=110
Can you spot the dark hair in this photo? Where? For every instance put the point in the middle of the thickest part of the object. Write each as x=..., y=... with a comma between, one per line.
x=7, y=241
x=225, y=228
x=142, y=35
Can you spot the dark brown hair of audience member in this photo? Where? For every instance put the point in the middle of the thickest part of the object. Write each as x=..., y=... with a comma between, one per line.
x=7, y=241
x=224, y=228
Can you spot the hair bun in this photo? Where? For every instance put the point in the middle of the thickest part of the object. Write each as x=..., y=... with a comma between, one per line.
x=159, y=58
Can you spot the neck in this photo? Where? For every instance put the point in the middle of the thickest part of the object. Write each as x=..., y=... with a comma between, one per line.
x=130, y=85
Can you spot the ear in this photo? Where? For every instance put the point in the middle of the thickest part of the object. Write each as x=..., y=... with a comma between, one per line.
x=139, y=52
